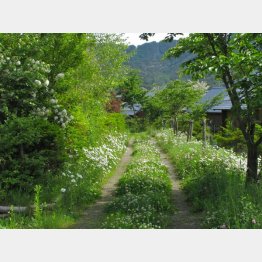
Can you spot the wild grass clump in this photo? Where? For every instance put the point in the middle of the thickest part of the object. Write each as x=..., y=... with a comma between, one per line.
x=143, y=195
x=214, y=181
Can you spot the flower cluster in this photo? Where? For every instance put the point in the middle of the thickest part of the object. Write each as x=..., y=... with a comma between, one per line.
x=193, y=150
x=34, y=93
x=100, y=159
x=105, y=156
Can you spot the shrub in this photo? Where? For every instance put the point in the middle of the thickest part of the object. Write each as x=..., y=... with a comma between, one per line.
x=82, y=177
x=30, y=147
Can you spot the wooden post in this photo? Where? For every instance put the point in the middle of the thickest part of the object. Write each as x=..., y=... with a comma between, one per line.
x=204, y=132
x=176, y=126
x=188, y=131
x=173, y=125
x=191, y=129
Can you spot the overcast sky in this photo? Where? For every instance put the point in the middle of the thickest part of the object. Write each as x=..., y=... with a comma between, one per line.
x=133, y=38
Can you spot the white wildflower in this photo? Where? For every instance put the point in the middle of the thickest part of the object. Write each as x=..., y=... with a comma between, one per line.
x=38, y=82
x=63, y=190
x=59, y=76
x=46, y=83
x=78, y=175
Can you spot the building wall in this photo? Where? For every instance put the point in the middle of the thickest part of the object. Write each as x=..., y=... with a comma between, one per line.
x=215, y=121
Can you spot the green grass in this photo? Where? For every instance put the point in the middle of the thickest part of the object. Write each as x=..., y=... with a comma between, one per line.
x=214, y=181
x=143, y=196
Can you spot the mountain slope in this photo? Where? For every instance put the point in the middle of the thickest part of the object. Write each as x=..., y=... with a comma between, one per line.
x=155, y=71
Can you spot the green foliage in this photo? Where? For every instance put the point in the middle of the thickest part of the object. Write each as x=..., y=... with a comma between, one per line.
x=136, y=124
x=214, y=181
x=180, y=95
x=235, y=59
x=131, y=91
x=179, y=98
x=37, y=207
x=231, y=137
x=29, y=148
x=53, y=94
x=143, y=193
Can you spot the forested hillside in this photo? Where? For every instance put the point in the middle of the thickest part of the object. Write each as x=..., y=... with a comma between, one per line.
x=154, y=70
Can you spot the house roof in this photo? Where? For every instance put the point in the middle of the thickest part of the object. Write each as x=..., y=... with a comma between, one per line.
x=128, y=110
x=225, y=103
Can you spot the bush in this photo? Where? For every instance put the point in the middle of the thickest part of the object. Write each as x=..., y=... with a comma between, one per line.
x=84, y=173
x=30, y=147
x=230, y=137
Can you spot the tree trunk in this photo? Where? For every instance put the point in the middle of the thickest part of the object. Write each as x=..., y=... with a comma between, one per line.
x=252, y=163
x=190, y=131
x=21, y=150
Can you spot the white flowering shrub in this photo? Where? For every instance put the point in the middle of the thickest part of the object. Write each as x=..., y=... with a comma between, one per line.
x=83, y=174
x=214, y=180
x=31, y=120
x=104, y=157
x=143, y=194
x=25, y=90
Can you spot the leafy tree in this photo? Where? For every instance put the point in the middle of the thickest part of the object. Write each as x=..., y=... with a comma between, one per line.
x=236, y=60
x=131, y=90
x=177, y=98
x=61, y=52
x=53, y=92
x=180, y=95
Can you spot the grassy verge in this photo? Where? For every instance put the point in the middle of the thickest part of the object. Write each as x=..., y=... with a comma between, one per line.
x=143, y=195
x=214, y=181
x=78, y=186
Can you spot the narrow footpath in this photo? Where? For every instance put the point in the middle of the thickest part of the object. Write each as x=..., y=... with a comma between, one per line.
x=93, y=216
x=183, y=218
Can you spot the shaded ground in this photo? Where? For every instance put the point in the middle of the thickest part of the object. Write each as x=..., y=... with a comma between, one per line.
x=183, y=218
x=93, y=216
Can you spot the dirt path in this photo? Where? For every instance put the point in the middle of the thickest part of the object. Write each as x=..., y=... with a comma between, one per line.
x=92, y=217
x=183, y=218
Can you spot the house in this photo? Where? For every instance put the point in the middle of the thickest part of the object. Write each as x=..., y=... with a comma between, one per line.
x=131, y=111
x=217, y=115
